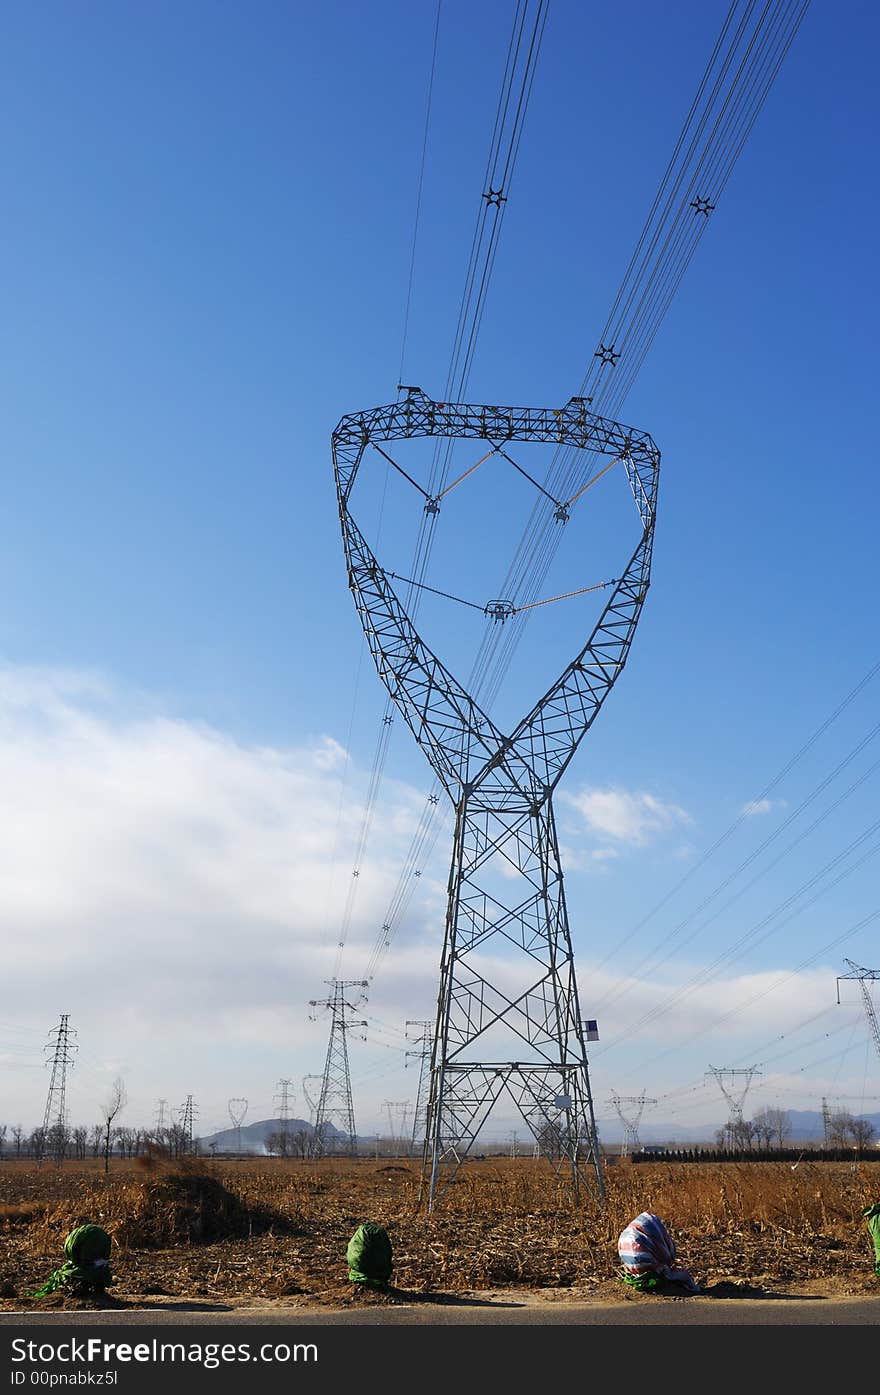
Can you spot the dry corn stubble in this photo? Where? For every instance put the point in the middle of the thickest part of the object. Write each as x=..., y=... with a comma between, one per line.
x=272, y=1228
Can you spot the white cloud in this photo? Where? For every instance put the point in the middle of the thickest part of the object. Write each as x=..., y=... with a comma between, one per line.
x=625, y=816
x=180, y=894
x=761, y=806
x=168, y=885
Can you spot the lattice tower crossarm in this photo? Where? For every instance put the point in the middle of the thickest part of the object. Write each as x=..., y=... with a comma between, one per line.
x=520, y=1035
x=863, y=977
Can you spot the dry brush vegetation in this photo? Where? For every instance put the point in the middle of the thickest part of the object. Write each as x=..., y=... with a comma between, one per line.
x=272, y=1230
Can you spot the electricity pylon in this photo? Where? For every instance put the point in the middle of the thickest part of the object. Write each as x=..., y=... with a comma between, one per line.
x=735, y=1095
x=310, y=1099
x=335, y=1098
x=632, y=1119
x=53, y=1136
x=188, y=1111
x=519, y=1031
x=283, y=1101
x=402, y=1109
x=237, y=1111
x=863, y=977
x=422, y=1050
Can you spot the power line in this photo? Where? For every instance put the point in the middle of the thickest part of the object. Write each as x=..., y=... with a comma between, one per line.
x=741, y=69
x=651, y=962
x=780, y=982
x=704, y=975
x=743, y=815
x=421, y=180
x=519, y=70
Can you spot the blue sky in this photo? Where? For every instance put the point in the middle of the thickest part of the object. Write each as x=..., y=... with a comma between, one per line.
x=209, y=219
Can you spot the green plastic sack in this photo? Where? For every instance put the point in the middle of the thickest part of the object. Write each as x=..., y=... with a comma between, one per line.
x=369, y=1256
x=872, y=1218
x=87, y=1263
x=88, y=1244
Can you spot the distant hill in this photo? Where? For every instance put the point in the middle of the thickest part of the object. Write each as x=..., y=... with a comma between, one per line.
x=254, y=1136
x=806, y=1127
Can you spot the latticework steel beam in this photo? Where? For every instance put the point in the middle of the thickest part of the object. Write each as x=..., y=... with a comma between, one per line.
x=508, y=1017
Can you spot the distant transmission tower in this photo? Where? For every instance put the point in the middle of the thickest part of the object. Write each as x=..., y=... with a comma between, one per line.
x=335, y=1100
x=312, y=1096
x=188, y=1113
x=736, y=1088
x=160, y=1115
x=237, y=1112
x=53, y=1136
x=631, y=1120
x=518, y=1030
x=401, y=1107
x=863, y=977
x=283, y=1101
x=424, y=1041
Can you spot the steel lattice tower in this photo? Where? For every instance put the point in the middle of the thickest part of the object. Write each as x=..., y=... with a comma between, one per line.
x=282, y=1099
x=524, y=1034
x=54, y=1131
x=311, y=1103
x=335, y=1099
x=736, y=1097
x=188, y=1112
x=631, y=1142
x=423, y=1052
x=863, y=977
x=402, y=1109
x=238, y=1109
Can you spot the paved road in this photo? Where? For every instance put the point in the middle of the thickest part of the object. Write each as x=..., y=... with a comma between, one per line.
x=658, y=1312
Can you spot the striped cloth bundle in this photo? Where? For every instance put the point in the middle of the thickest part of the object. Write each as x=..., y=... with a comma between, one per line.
x=646, y=1247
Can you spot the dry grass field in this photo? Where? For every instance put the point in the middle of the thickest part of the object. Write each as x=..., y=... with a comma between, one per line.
x=272, y=1231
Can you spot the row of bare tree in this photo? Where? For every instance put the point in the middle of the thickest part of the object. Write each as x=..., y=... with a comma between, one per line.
x=84, y=1141
x=772, y=1128
x=96, y=1140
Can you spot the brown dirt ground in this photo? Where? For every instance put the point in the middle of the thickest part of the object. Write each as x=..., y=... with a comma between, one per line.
x=269, y=1233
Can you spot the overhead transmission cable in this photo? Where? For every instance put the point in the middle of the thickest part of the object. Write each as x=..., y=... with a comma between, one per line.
x=651, y=962
x=753, y=937
x=738, y=76
x=811, y=959
x=421, y=180
x=752, y=1055
x=670, y=238
x=522, y=55
x=744, y=813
